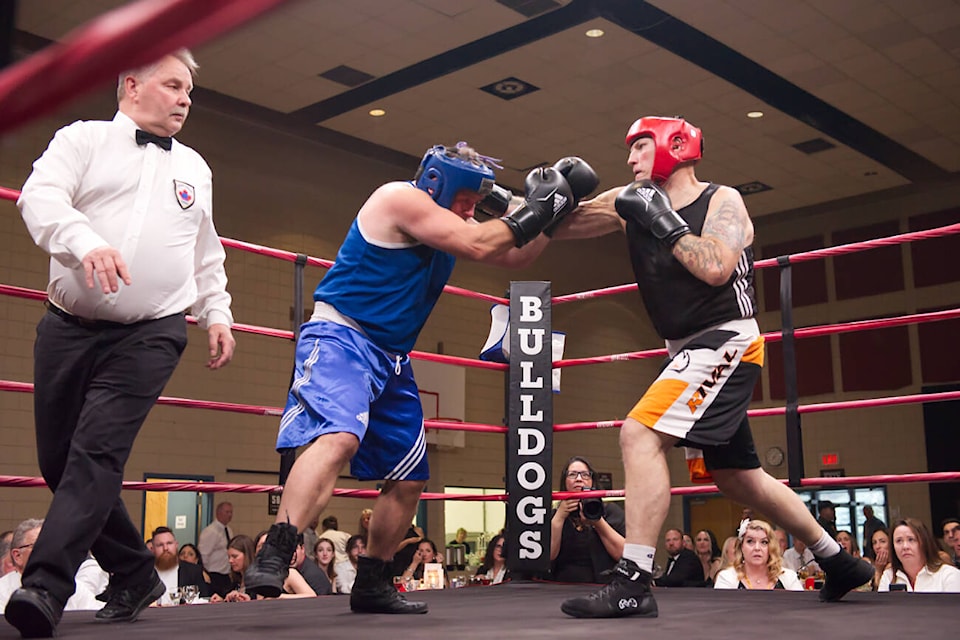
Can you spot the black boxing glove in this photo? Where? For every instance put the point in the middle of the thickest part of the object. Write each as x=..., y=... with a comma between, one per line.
x=579, y=175
x=496, y=202
x=582, y=180
x=646, y=204
x=547, y=199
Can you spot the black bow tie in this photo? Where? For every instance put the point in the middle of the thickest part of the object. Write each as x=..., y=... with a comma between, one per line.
x=164, y=142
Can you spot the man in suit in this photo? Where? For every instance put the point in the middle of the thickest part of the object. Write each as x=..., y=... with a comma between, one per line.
x=213, y=547
x=683, y=567
x=175, y=574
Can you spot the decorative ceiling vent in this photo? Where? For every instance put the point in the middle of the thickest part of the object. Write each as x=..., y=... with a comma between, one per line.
x=530, y=8
x=347, y=76
x=510, y=88
x=814, y=146
x=750, y=188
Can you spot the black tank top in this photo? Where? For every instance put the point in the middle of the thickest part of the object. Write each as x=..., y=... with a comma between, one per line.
x=680, y=304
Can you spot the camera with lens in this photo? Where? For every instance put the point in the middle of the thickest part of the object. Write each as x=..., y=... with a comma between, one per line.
x=592, y=508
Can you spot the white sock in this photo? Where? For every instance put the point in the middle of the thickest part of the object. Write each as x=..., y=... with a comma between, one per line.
x=826, y=546
x=640, y=554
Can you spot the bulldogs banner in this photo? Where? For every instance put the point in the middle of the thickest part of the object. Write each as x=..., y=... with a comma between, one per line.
x=530, y=420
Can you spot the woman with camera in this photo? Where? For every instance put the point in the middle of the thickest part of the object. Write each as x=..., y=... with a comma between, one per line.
x=586, y=535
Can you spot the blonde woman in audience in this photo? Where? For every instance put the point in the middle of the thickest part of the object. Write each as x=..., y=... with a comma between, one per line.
x=708, y=551
x=325, y=556
x=758, y=564
x=364, y=523
x=728, y=554
x=915, y=561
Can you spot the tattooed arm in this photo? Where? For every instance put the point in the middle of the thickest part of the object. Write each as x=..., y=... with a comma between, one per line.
x=727, y=231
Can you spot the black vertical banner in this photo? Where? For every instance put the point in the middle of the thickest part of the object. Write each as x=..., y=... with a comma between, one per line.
x=530, y=420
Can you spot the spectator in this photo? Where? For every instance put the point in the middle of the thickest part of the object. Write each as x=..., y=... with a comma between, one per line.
x=916, y=563
x=494, y=567
x=90, y=578
x=799, y=557
x=326, y=556
x=6, y=564
x=363, y=526
x=213, y=547
x=688, y=542
x=295, y=585
x=426, y=552
x=708, y=552
x=584, y=546
x=347, y=571
x=828, y=517
x=683, y=567
x=871, y=523
x=172, y=572
x=728, y=554
x=461, y=539
x=315, y=578
x=331, y=531
x=758, y=564
x=190, y=553
x=951, y=539
x=781, y=537
x=880, y=543
x=240, y=553
x=848, y=542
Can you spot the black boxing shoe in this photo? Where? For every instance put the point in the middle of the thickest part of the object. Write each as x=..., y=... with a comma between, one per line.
x=628, y=594
x=843, y=573
x=373, y=590
x=34, y=612
x=125, y=604
x=270, y=568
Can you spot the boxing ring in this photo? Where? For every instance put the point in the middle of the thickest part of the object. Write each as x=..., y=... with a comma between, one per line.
x=519, y=609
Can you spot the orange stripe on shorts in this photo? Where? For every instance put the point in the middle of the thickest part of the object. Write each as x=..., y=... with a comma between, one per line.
x=754, y=353
x=659, y=397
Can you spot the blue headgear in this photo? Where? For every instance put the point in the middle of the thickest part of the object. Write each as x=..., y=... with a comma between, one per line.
x=443, y=173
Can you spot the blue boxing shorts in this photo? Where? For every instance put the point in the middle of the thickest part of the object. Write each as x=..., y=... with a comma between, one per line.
x=343, y=382
x=703, y=391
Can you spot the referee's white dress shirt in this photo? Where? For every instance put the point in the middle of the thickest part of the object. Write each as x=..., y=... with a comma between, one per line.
x=95, y=186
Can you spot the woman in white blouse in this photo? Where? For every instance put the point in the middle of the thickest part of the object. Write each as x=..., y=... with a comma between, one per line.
x=915, y=562
x=757, y=564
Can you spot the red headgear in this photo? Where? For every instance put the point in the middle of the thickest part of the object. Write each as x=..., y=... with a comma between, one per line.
x=674, y=140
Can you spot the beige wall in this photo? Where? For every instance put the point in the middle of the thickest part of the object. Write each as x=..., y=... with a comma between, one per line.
x=279, y=190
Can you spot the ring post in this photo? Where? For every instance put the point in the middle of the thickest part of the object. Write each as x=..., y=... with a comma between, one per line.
x=792, y=414
x=530, y=436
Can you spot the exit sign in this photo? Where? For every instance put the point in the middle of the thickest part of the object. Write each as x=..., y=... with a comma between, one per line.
x=829, y=459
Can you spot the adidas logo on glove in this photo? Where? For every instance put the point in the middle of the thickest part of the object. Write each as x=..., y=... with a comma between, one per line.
x=647, y=193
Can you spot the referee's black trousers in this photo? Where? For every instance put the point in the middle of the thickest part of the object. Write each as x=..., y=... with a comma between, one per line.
x=94, y=385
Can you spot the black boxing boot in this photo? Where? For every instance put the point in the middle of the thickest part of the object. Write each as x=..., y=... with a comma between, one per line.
x=270, y=568
x=628, y=594
x=843, y=573
x=373, y=590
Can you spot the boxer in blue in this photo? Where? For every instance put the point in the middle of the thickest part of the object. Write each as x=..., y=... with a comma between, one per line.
x=354, y=396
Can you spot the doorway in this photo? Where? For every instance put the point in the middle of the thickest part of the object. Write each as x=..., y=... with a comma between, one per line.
x=186, y=513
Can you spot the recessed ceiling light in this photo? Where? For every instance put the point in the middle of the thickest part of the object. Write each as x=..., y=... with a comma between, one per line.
x=376, y=113
x=754, y=114
x=595, y=33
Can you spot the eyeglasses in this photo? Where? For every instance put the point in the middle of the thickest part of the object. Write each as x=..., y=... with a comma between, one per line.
x=573, y=475
x=24, y=546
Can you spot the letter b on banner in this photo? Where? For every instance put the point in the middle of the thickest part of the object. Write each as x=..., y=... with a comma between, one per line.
x=530, y=419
